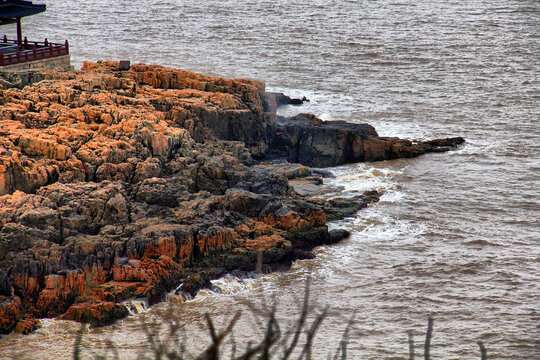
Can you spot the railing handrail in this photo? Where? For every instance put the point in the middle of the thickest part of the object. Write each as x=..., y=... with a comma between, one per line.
x=27, y=42
x=33, y=50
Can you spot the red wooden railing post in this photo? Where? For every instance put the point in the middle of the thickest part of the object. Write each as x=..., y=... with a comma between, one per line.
x=32, y=50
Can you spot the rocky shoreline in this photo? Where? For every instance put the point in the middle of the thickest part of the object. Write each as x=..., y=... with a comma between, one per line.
x=117, y=185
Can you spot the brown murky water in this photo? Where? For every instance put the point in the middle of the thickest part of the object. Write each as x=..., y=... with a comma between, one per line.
x=456, y=235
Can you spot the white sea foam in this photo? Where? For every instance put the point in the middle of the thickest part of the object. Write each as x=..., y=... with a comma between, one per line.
x=357, y=178
x=324, y=105
x=136, y=306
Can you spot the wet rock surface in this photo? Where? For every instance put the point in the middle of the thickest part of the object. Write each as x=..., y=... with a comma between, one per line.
x=310, y=141
x=117, y=185
x=273, y=100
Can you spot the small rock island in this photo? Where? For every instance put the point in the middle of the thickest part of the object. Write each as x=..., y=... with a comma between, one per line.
x=117, y=185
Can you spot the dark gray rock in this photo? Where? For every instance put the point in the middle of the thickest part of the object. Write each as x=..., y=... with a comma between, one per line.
x=310, y=141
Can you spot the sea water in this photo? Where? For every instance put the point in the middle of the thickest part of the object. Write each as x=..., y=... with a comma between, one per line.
x=455, y=235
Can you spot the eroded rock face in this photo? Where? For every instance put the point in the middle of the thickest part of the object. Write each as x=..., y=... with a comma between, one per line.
x=310, y=141
x=117, y=185
x=121, y=184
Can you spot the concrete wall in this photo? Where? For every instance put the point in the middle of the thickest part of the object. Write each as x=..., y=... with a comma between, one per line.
x=63, y=62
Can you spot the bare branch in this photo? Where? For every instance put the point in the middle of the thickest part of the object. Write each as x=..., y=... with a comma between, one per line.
x=344, y=340
x=311, y=334
x=78, y=344
x=211, y=328
x=300, y=322
x=212, y=352
x=429, y=334
x=483, y=352
x=411, y=345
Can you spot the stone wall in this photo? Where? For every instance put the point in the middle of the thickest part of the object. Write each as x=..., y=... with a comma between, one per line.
x=61, y=62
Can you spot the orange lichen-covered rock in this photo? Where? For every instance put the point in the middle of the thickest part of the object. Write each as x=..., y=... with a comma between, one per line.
x=124, y=184
x=95, y=117
x=292, y=220
x=101, y=313
x=10, y=311
x=60, y=291
x=26, y=326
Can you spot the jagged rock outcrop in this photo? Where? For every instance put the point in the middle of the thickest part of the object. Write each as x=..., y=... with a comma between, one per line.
x=308, y=140
x=121, y=184
x=273, y=100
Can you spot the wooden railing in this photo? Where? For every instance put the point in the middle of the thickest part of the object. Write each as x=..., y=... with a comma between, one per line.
x=31, y=50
